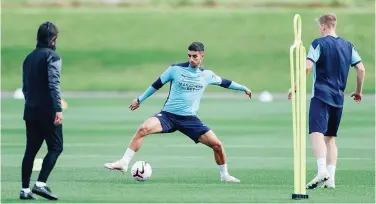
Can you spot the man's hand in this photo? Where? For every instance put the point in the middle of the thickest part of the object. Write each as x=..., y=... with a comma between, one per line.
x=248, y=92
x=58, y=118
x=64, y=104
x=357, y=97
x=290, y=92
x=134, y=105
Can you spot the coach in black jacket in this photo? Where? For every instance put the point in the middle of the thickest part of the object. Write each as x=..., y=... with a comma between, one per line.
x=43, y=111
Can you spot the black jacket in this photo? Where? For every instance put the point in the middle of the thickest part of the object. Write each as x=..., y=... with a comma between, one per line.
x=41, y=83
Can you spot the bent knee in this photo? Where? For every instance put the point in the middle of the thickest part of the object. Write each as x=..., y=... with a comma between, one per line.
x=143, y=130
x=217, y=146
x=57, y=150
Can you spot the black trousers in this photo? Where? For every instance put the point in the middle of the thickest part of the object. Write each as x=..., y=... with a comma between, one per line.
x=38, y=131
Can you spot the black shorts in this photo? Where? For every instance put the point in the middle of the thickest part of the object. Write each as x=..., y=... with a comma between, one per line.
x=188, y=125
x=324, y=118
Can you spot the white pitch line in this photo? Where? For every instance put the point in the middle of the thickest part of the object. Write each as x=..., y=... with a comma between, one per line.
x=190, y=146
x=78, y=157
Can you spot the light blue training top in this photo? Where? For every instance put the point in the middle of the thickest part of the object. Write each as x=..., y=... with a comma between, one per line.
x=187, y=86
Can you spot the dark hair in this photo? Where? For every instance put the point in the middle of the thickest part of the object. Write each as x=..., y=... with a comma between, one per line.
x=47, y=32
x=196, y=46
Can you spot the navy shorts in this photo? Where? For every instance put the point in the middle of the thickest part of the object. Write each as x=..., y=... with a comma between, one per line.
x=324, y=118
x=188, y=125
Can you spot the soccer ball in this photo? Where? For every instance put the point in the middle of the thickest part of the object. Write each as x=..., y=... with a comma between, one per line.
x=141, y=171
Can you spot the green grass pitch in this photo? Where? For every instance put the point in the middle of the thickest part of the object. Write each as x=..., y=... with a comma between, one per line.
x=257, y=137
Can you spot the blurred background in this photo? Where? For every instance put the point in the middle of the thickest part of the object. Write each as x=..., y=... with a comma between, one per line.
x=112, y=49
x=123, y=45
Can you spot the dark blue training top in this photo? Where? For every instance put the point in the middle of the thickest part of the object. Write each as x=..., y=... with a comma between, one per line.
x=332, y=57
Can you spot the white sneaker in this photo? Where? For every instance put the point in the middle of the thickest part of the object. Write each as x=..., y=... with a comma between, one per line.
x=116, y=166
x=328, y=184
x=228, y=178
x=319, y=179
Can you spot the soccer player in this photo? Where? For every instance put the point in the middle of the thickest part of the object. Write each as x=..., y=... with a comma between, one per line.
x=187, y=85
x=43, y=110
x=330, y=57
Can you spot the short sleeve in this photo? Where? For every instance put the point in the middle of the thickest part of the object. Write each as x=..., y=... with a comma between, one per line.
x=314, y=52
x=355, y=57
x=213, y=79
x=167, y=75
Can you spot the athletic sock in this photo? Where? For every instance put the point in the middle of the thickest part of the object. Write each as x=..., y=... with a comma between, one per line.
x=40, y=184
x=127, y=156
x=223, y=170
x=26, y=190
x=332, y=172
x=321, y=165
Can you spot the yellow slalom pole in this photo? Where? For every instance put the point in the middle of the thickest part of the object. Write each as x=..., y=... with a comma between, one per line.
x=298, y=104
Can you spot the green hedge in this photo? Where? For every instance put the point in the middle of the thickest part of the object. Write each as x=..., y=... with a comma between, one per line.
x=127, y=48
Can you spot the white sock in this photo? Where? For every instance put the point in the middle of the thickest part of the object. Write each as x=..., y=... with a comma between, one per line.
x=223, y=170
x=26, y=190
x=127, y=156
x=40, y=184
x=332, y=172
x=321, y=165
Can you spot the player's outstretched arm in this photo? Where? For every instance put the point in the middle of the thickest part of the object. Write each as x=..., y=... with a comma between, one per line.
x=226, y=83
x=163, y=79
x=137, y=102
